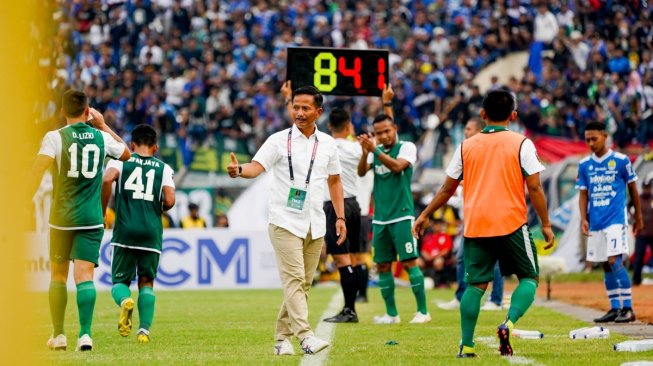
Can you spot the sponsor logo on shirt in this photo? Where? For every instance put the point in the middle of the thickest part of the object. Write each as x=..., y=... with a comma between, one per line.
x=598, y=179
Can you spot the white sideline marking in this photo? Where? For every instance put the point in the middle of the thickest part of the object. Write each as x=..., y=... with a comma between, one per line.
x=324, y=331
x=493, y=343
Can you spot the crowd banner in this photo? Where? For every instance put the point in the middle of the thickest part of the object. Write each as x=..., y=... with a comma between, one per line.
x=193, y=259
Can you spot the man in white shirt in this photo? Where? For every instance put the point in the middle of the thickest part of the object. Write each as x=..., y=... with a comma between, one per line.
x=578, y=49
x=546, y=25
x=304, y=161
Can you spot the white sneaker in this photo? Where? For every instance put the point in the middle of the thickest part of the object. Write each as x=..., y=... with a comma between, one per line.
x=387, y=319
x=421, y=318
x=312, y=344
x=450, y=305
x=491, y=306
x=58, y=343
x=84, y=343
x=283, y=348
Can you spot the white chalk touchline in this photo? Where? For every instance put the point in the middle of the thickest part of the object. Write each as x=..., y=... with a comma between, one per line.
x=493, y=343
x=324, y=331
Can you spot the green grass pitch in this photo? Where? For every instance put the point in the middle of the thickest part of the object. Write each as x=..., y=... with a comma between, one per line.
x=236, y=328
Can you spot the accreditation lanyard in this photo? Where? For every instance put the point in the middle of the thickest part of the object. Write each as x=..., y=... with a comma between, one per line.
x=310, y=166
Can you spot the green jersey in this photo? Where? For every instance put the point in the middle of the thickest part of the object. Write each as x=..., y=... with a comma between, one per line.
x=139, y=202
x=79, y=151
x=393, y=199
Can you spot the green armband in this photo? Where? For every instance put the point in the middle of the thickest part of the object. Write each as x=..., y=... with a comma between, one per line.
x=376, y=152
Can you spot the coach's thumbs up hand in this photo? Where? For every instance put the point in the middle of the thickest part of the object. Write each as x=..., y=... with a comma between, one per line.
x=233, y=169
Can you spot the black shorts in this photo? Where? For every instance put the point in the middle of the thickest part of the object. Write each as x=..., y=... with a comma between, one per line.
x=353, y=216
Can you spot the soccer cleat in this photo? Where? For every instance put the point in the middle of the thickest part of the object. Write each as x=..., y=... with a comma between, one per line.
x=450, y=305
x=312, y=344
x=610, y=316
x=387, y=319
x=143, y=336
x=504, y=332
x=466, y=352
x=420, y=318
x=84, y=343
x=58, y=343
x=284, y=347
x=345, y=316
x=491, y=306
x=626, y=315
x=125, y=321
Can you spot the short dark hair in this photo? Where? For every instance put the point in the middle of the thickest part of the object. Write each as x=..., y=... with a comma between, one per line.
x=74, y=103
x=310, y=90
x=595, y=126
x=144, y=135
x=498, y=104
x=338, y=119
x=382, y=117
x=193, y=206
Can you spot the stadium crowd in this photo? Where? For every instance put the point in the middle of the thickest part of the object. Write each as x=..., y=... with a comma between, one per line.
x=203, y=69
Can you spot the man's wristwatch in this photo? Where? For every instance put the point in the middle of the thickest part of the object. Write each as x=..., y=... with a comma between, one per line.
x=240, y=170
x=341, y=218
x=388, y=104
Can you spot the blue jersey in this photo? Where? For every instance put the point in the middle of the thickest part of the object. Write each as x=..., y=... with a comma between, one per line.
x=606, y=181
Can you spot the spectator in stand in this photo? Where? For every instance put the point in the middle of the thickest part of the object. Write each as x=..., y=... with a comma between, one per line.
x=546, y=25
x=436, y=254
x=193, y=220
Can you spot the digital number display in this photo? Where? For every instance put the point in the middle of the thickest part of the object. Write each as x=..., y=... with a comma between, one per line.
x=338, y=71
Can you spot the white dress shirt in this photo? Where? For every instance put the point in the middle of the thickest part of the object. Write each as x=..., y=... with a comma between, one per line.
x=273, y=156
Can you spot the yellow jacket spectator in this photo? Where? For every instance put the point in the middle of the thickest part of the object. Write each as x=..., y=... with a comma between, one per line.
x=193, y=220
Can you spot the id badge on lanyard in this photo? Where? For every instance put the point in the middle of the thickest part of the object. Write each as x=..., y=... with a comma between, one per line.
x=296, y=196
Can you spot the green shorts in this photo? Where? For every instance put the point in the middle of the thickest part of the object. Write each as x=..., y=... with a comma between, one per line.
x=515, y=252
x=68, y=245
x=394, y=239
x=127, y=261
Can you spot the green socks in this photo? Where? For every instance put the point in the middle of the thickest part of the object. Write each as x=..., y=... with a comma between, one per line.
x=387, y=286
x=522, y=298
x=58, y=295
x=417, y=284
x=85, y=305
x=119, y=292
x=146, y=307
x=470, y=306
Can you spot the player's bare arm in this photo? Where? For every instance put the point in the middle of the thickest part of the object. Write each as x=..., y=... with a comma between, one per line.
x=168, y=198
x=338, y=199
x=110, y=176
x=41, y=164
x=634, y=198
x=447, y=190
x=395, y=165
x=98, y=122
x=386, y=97
x=583, y=199
x=286, y=92
x=539, y=203
x=248, y=170
x=363, y=165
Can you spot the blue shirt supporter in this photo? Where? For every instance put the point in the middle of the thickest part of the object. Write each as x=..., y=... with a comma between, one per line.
x=606, y=180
